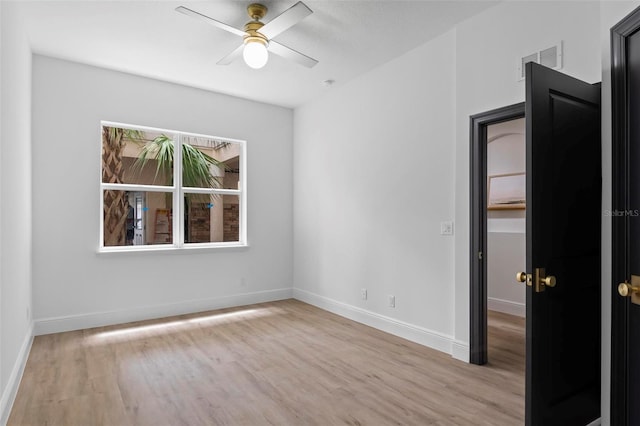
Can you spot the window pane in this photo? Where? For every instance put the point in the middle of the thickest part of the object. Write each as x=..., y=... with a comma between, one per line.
x=133, y=218
x=211, y=218
x=208, y=163
x=136, y=157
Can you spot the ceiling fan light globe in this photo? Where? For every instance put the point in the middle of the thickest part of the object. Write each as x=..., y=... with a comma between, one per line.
x=255, y=54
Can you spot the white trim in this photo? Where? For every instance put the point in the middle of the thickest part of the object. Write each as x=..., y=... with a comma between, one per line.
x=99, y=319
x=169, y=248
x=507, y=307
x=178, y=208
x=596, y=422
x=11, y=390
x=460, y=350
x=136, y=187
x=412, y=332
x=158, y=129
x=244, y=220
x=190, y=190
x=101, y=192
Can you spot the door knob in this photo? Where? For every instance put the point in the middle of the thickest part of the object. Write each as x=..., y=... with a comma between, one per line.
x=631, y=290
x=627, y=290
x=523, y=277
x=549, y=281
x=542, y=280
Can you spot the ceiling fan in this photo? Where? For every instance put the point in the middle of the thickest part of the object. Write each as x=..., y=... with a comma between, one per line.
x=258, y=37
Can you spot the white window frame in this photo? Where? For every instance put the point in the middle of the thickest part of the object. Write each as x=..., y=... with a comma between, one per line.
x=178, y=193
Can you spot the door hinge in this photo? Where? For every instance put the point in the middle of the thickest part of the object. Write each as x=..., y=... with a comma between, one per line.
x=480, y=255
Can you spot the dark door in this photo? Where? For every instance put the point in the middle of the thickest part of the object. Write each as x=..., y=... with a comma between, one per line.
x=563, y=249
x=633, y=226
x=625, y=220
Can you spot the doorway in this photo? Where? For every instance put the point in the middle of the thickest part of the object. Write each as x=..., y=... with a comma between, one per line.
x=506, y=244
x=480, y=135
x=135, y=218
x=506, y=222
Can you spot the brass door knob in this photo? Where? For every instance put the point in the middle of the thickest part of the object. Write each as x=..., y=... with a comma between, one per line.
x=541, y=281
x=627, y=290
x=521, y=276
x=549, y=281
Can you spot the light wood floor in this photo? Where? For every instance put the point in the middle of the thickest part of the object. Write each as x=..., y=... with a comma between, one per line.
x=506, y=341
x=282, y=363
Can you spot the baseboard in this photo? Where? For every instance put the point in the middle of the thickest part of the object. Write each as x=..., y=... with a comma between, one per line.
x=414, y=333
x=596, y=422
x=10, y=391
x=507, y=307
x=460, y=351
x=100, y=319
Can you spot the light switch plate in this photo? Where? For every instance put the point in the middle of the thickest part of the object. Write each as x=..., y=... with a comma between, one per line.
x=446, y=228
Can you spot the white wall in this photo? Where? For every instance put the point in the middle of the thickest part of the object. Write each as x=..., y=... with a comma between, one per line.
x=374, y=177
x=347, y=233
x=15, y=199
x=505, y=257
x=506, y=155
x=76, y=287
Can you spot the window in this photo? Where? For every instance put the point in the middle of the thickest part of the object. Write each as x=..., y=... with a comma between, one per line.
x=168, y=189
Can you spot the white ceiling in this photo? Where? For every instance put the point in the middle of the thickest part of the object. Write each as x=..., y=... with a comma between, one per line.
x=149, y=38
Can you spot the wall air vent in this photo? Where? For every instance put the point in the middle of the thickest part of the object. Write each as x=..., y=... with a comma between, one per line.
x=550, y=57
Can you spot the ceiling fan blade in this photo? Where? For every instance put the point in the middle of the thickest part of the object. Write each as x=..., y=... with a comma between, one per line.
x=288, y=53
x=285, y=20
x=237, y=52
x=211, y=21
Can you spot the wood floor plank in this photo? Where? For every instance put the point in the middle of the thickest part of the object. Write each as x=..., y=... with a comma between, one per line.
x=280, y=363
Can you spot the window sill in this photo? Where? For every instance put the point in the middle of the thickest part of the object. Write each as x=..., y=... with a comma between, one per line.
x=191, y=248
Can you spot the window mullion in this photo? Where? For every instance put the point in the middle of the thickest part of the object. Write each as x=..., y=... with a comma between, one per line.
x=191, y=190
x=243, y=195
x=178, y=202
x=135, y=187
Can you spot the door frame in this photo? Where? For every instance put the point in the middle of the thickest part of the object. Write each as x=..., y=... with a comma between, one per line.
x=620, y=144
x=478, y=225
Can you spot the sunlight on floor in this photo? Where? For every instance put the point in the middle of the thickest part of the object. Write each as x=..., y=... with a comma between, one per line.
x=159, y=328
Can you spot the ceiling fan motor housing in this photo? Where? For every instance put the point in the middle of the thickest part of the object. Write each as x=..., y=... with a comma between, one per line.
x=253, y=33
x=256, y=11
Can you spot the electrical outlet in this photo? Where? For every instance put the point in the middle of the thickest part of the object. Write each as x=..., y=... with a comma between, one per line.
x=363, y=293
x=392, y=301
x=446, y=228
